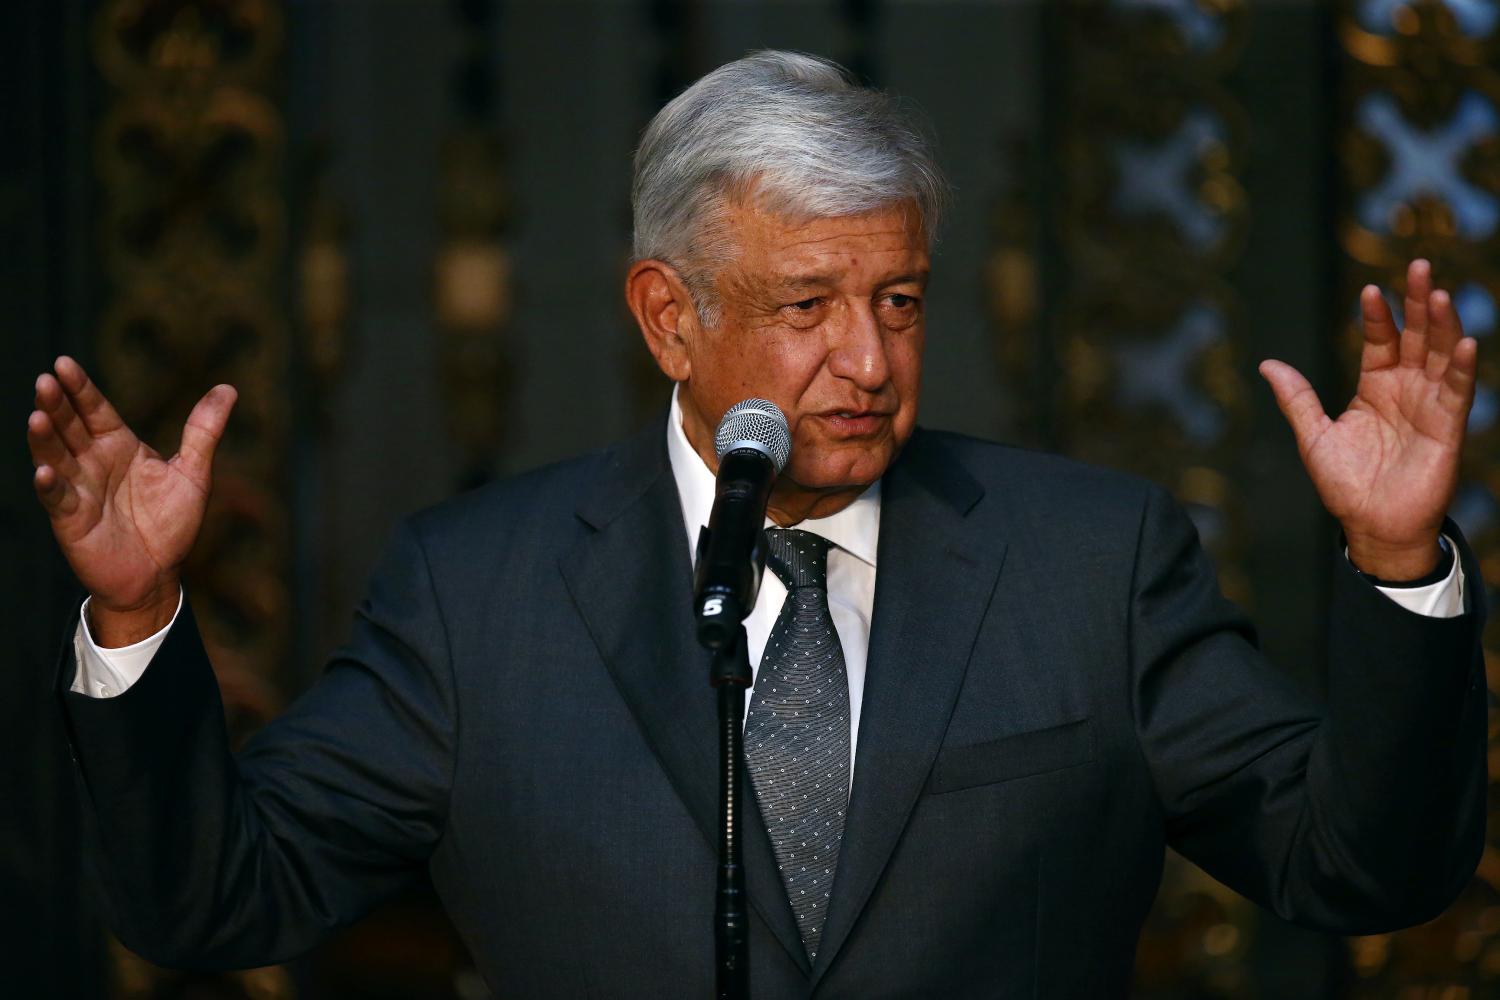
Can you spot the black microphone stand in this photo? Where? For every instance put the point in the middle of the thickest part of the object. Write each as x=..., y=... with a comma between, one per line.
x=730, y=561
x=730, y=674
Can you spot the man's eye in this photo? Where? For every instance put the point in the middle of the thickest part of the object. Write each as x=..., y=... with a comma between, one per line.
x=901, y=301
x=806, y=305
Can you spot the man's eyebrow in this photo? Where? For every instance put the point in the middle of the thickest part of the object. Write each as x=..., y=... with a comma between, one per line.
x=917, y=277
x=802, y=280
x=795, y=281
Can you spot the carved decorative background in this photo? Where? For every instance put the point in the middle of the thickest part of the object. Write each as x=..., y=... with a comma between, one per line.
x=1153, y=219
x=189, y=162
x=189, y=159
x=1420, y=171
x=1114, y=284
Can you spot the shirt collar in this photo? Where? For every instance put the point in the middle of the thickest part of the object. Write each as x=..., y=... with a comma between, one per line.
x=855, y=529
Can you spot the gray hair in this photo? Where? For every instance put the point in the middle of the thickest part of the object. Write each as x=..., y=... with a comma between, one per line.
x=795, y=129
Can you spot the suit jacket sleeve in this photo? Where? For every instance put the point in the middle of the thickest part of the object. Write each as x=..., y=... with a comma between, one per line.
x=209, y=859
x=1360, y=815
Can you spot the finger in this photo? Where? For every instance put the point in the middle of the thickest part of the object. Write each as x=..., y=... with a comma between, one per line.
x=1297, y=400
x=97, y=415
x=46, y=446
x=203, y=431
x=1456, y=393
x=1382, y=347
x=1444, y=330
x=52, y=400
x=1414, y=338
x=57, y=495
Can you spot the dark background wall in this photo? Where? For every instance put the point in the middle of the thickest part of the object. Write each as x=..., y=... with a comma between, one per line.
x=401, y=227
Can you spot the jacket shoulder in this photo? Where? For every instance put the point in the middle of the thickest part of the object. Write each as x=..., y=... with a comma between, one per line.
x=531, y=506
x=1060, y=515
x=1028, y=479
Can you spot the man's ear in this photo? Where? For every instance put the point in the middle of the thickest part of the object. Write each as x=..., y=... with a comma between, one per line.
x=664, y=310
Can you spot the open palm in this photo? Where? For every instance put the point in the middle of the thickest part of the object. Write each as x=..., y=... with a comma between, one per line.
x=124, y=517
x=1388, y=466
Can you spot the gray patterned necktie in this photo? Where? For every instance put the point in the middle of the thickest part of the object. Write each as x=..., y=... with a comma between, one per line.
x=797, y=731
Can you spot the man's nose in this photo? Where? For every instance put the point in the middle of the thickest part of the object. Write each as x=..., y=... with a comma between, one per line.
x=858, y=350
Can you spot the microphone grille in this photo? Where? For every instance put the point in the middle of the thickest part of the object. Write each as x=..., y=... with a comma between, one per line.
x=757, y=424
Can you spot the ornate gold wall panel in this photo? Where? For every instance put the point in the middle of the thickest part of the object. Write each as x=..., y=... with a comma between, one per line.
x=189, y=158
x=1153, y=217
x=1150, y=217
x=189, y=150
x=1420, y=170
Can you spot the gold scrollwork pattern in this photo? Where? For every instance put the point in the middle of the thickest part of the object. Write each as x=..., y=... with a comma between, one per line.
x=1153, y=217
x=1420, y=169
x=1150, y=218
x=189, y=161
x=189, y=151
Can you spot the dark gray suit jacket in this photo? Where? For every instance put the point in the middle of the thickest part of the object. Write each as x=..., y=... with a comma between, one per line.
x=1056, y=691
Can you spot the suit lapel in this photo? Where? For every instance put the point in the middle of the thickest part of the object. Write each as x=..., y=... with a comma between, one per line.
x=631, y=581
x=935, y=577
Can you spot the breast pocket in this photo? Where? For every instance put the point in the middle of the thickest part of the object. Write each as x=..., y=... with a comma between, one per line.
x=1019, y=755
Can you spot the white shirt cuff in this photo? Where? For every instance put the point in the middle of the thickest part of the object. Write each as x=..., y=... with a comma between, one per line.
x=1444, y=599
x=105, y=673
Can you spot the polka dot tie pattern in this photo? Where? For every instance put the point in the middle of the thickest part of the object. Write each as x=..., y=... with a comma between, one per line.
x=797, y=731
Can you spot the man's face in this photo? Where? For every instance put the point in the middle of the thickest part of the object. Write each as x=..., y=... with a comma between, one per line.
x=823, y=318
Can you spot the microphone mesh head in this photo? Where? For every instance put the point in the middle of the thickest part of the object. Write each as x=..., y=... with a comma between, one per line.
x=757, y=424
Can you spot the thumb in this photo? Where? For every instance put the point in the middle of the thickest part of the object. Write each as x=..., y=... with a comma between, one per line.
x=1297, y=400
x=203, y=430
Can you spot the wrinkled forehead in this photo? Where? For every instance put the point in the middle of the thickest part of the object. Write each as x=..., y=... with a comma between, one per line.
x=777, y=251
x=758, y=218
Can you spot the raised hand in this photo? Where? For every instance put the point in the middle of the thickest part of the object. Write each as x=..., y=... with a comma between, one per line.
x=1387, y=468
x=124, y=517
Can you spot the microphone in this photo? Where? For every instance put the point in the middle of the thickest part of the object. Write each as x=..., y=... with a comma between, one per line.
x=753, y=444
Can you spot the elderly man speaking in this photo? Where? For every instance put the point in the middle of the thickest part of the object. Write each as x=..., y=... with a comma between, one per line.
x=991, y=686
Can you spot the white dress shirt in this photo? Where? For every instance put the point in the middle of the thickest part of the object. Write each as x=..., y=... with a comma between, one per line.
x=855, y=534
x=854, y=531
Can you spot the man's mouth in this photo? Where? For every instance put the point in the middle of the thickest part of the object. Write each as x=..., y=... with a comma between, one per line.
x=854, y=423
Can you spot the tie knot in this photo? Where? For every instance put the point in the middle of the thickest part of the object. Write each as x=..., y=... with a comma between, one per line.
x=798, y=558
